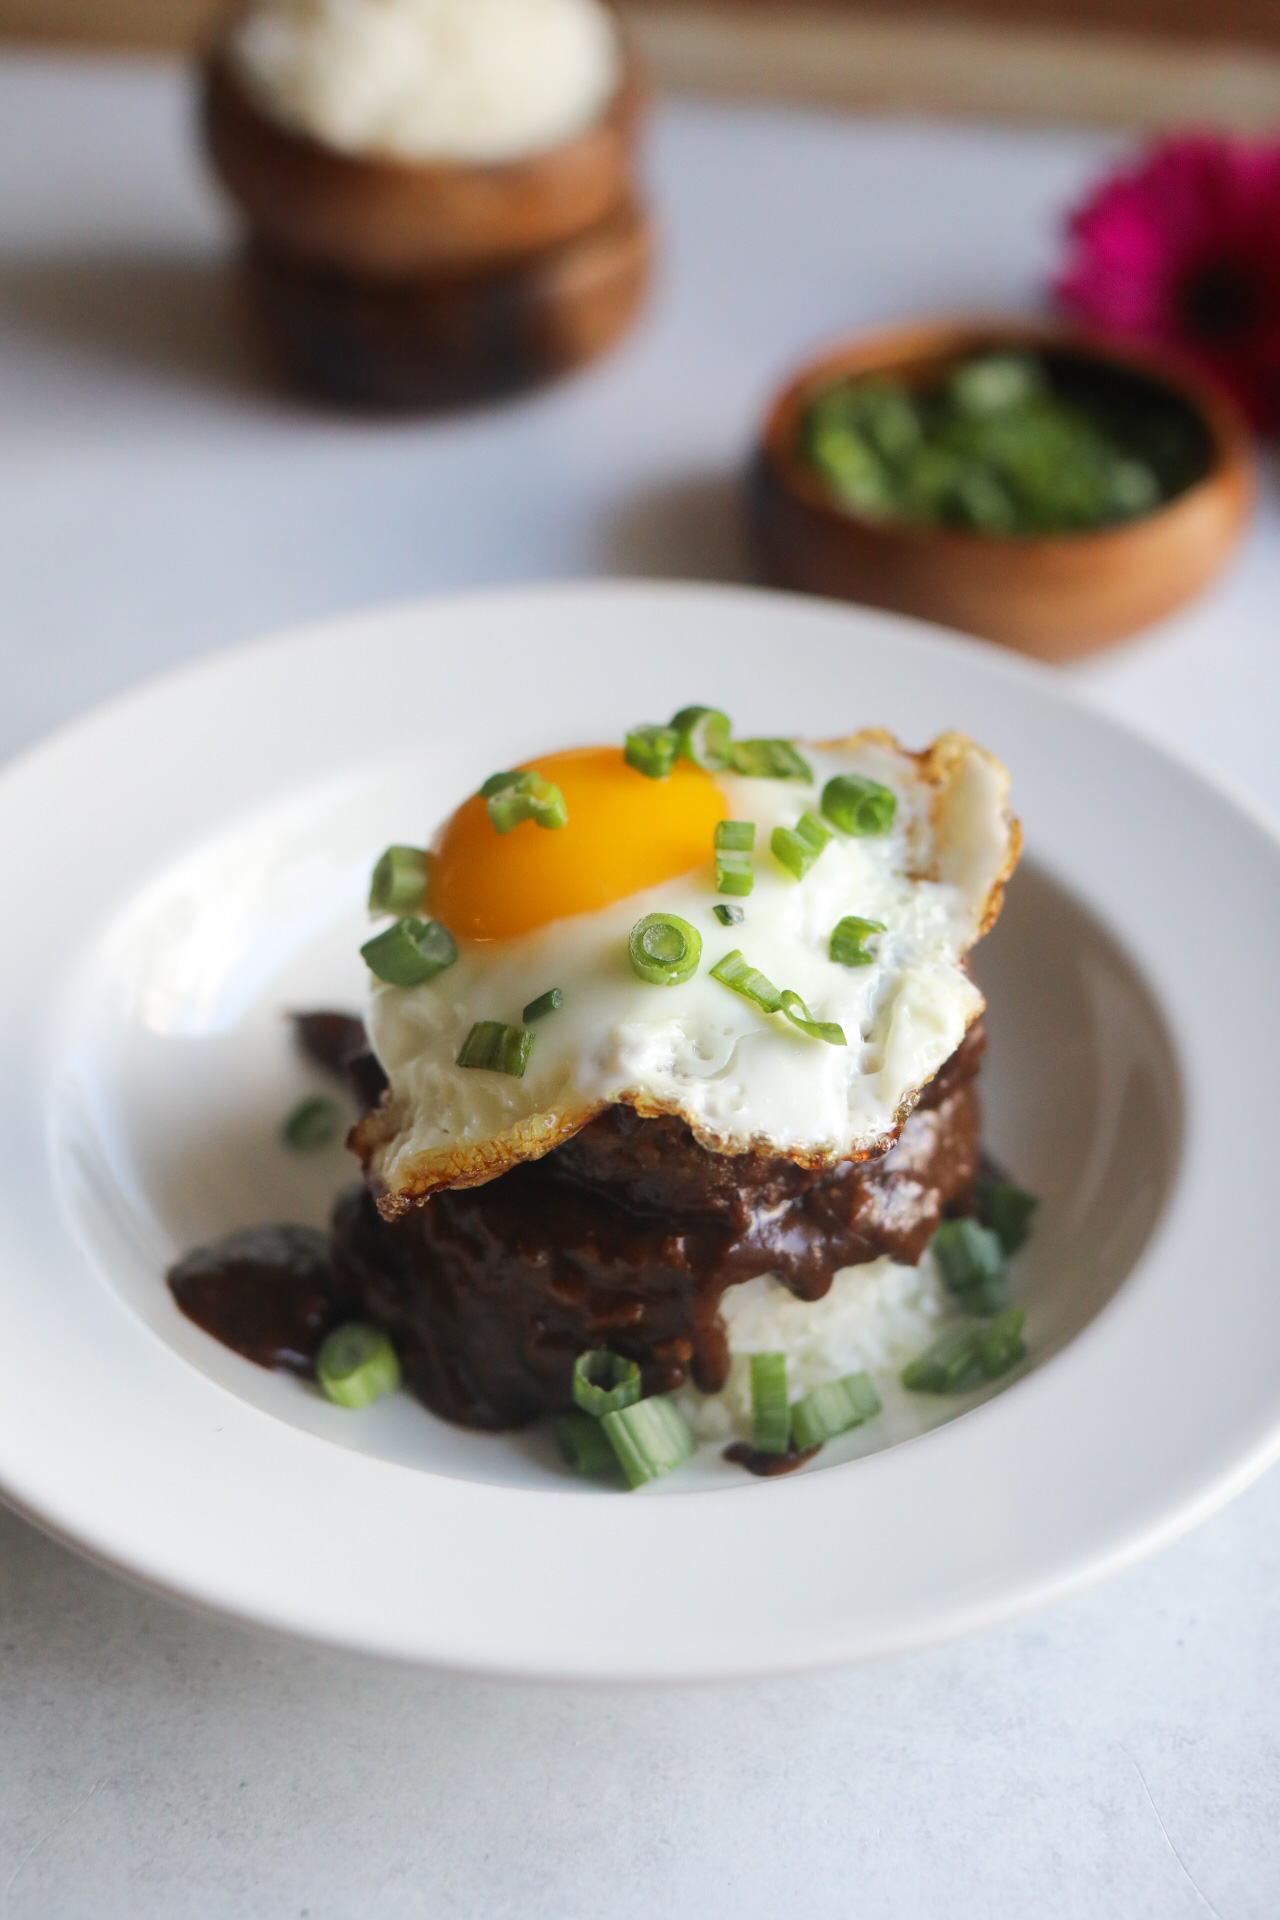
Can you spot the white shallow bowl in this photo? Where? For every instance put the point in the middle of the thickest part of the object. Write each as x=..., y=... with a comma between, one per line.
x=189, y=863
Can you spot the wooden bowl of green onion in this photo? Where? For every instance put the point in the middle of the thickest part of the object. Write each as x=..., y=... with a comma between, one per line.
x=1047, y=488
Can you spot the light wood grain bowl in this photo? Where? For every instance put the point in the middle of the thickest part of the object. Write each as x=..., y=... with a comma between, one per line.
x=365, y=214
x=431, y=342
x=1054, y=596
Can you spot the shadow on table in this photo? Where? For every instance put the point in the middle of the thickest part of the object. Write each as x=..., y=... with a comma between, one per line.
x=692, y=528
x=169, y=313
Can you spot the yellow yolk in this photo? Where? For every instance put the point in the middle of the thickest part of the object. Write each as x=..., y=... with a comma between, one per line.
x=625, y=833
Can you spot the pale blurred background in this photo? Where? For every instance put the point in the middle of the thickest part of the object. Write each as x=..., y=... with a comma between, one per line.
x=1142, y=63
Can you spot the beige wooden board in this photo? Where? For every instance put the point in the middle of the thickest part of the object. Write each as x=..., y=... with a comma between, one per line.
x=952, y=62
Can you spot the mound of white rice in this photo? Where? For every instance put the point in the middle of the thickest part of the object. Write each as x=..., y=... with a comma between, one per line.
x=874, y=1319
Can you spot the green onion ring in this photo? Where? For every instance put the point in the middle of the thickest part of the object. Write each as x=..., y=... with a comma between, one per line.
x=948, y=1366
x=728, y=916
x=702, y=736
x=1000, y=1344
x=650, y=1439
x=356, y=1365
x=513, y=798
x=799, y=1016
x=399, y=882
x=499, y=1048
x=741, y=977
x=664, y=949
x=770, y=1412
x=858, y=805
x=549, y=1002
x=605, y=1382
x=796, y=848
x=313, y=1123
x=584, y=1444
x=971, y=1260
x=410, y=952
x=847, y=947
x=652, y=751
x=1007, y=1210
x=768, y=760
x=833, y=1408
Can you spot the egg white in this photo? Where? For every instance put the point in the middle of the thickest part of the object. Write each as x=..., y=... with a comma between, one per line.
x=743, y=1080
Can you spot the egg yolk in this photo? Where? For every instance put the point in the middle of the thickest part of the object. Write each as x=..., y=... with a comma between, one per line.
x=625, y=833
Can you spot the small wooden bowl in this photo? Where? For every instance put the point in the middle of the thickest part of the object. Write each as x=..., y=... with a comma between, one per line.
x=430, y=342
x=1055, y=596
x=361, y=214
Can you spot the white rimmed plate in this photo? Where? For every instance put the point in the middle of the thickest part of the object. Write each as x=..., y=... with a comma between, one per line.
x=190, y=862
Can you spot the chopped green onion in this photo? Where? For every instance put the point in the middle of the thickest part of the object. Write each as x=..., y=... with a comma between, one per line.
x=857, y=805
x=798, y=847
x=604, y=1382
x=947, y=1365
x=799, y=1016
x=500, y=1048
x=736, y=973
x=585, y=1445
x=702, y=735
x=652, y=751
x=1000, y=1344
x=972, y=1263
x=1007, y=1210
x=832, y=1409
x=770, y=1414
x=513, y=798
x=650, y=1439
x=357, y=1364
x=768, y=760
x=399, y=881
x=313, y=1123
x=410, y=952
x=847, y=938
x=734, y=840
x=664, y=949
x=549, y=1002
x=728, y=916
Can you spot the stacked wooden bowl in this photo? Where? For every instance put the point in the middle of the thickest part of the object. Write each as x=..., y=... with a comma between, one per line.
x=395, y=284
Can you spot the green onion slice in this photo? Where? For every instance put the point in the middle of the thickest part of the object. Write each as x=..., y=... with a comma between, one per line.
x=652, y=751
x=500, y=1048
x=741, y=977
x=513, y=798
x=410, y=953
x=313, y=1123
x=857, y=805
x=664, y=949
x=728, y=916
x=734, y=840
x=1000, y=1344
x=768, y=760
x=798, y=847
x=604, y=1382
x=734, y=873
x=357, y=1364
x=770, y=1413
x=799, y=1016
x=399, y=881
x=848, y=938
x=585, y=1445
x=972, y=1263
x=832, y=1409
x=549, y=1002
x=950, y=1364
x=702, y=735
x=650, y=1439
x=1007, y=1210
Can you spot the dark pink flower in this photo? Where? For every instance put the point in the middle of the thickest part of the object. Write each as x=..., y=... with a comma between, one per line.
x=1184, y=248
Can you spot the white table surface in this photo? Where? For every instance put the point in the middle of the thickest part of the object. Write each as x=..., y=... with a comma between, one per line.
x=1117, y=1756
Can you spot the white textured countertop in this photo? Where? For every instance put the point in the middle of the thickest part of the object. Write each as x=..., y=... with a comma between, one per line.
x=1117, y=1756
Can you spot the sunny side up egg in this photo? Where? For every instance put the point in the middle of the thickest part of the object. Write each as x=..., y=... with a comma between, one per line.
x=534, y=909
